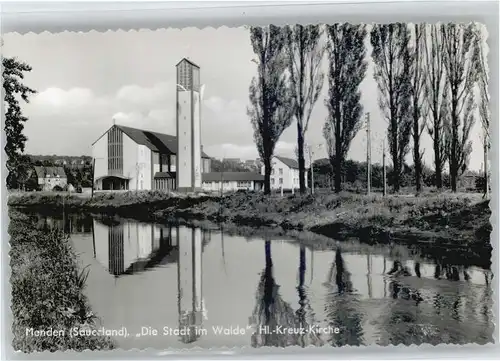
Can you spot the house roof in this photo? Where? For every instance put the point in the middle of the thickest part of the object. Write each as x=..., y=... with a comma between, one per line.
x=231, y=176
x=43, y=172
x=158, y=142
x=164, y=175
x=289, y=162
x=188, y=61
x=469, y=173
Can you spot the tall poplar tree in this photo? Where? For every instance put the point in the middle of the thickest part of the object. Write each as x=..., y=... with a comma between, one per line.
x=270, y=109
x=305, y=54
x=419, y=106
x=461, y=73
x=346, y=70
x=392, y=59
x=484, y=101
x=435, y=95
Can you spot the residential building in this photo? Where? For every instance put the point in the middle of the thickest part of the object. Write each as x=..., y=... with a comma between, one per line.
x=232, y=181
x=284, y=173
x=49, y=177
x=135, y=159
x=468, y=180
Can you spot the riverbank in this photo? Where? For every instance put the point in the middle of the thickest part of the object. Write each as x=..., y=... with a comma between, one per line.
x=48, y=292
x=446, y=220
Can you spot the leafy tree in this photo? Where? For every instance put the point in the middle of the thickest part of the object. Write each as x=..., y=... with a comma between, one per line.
x=226, y=166
x=347, y=69
x=13, y=74
x=435, y=94
x=484, y=103
x=419, y=107
x=323, y=173
x=461, y=72
x=305, y=54
x=22, y=174
x=271, y=109
x=392, y=59
x=87, y=176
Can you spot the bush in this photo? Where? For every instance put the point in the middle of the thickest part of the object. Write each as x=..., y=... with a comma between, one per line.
x=47, y=290
x=480, y=184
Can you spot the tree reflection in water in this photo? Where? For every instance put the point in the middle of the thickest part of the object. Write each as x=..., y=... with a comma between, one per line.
x=271, y=310
x=305, y=316
x=441, y=317
x=342, y=308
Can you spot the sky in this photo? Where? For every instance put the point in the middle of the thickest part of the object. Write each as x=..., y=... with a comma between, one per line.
x=85, y=80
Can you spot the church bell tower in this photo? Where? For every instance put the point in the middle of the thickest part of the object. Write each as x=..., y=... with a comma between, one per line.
x=188, y=167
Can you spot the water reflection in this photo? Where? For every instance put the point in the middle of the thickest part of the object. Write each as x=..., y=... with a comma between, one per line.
x=128, y=247
x=163, y=274
x=189, y=271
x=271, y=313
x=305, y=316
x=68, y=223
x=134, y=247
x=342, y=307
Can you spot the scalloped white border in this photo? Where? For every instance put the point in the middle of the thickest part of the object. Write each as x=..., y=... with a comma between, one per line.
x=23, y=18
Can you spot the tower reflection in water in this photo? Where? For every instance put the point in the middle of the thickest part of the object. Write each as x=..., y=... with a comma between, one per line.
x=127, y=247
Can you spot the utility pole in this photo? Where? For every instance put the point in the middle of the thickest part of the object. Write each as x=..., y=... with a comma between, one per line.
x=368, y=154
x=312, y=168
x=222, y=178
x=93, y=175
x=486, y=180
x=383, y=169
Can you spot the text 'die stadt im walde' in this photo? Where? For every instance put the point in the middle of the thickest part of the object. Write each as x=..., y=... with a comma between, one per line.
x=237, y=330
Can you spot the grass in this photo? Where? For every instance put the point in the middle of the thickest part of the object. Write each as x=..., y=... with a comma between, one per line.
x=47, y=291
x=440, y=219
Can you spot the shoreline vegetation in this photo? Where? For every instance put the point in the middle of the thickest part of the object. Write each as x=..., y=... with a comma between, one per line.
x=452, y=222
x=48, y=301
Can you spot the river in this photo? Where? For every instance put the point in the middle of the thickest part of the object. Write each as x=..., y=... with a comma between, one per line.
x=204, y=288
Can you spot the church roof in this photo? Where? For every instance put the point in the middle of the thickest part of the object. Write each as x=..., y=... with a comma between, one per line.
x=158, y=142
x=188, y=61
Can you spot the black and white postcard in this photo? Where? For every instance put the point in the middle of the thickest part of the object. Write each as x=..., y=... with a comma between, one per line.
x=255, y=186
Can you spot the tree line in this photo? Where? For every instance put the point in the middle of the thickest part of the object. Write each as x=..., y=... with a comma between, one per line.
x=79, y=176
x=426, y=75
x=353, y=176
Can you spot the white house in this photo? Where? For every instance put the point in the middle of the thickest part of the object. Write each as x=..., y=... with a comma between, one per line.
x=49, y=177
x=136, y=159
x=232, y=181
x=284, y=173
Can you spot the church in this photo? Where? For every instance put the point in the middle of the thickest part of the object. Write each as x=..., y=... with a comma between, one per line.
x=135, y=159
x=127, y=158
